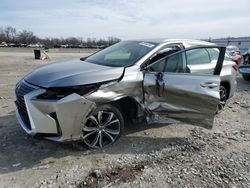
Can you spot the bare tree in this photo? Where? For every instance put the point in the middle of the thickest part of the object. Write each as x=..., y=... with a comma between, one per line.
x=73, y=41
x=113, y=40
x=26, y=37
x=2, y=35
x=10, y=34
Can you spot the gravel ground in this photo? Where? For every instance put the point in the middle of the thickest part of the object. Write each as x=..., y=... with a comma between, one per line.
x=156, y=155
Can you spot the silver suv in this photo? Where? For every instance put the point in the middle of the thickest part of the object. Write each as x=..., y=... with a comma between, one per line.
x=90, y=99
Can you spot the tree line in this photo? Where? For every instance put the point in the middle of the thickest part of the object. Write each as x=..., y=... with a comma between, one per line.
x=10, y=35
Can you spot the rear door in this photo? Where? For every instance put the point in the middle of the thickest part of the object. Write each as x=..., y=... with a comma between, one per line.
x=185, y=85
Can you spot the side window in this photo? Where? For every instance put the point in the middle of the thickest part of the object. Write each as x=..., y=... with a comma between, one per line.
x=197, y=56
x=158, y=66
x=164, y=52
x=173, y=63
x=213, y=53
x=202, y=61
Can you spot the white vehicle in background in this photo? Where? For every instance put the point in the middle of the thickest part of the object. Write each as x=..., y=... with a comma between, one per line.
x=228, y=80
x=38, y=45
x=3, y=44
x=234, y=53
x=64, y=46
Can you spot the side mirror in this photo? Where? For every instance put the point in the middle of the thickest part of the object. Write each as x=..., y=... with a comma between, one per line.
x=83, y=58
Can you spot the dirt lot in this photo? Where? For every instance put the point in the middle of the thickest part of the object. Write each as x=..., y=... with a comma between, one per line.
x=173, y=155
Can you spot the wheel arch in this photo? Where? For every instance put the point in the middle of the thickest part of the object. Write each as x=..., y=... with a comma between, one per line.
x=129, y=107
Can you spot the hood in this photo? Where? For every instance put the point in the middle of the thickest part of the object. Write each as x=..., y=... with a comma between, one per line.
x=72, y=73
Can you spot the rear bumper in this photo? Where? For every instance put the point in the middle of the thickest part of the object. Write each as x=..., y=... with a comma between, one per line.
x=231, y=80
x=245, y=69
x=57, y=120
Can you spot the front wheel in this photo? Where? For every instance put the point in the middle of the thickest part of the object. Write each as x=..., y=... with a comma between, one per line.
x=103, y=127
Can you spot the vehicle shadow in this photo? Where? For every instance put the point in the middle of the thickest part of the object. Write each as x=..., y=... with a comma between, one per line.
x=19, y=151
x=242, y=85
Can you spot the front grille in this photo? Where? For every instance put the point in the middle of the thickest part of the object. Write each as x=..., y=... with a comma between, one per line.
x=22, y=89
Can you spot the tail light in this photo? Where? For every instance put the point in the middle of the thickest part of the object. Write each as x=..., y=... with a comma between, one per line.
x=235, y=67
x=237, y=59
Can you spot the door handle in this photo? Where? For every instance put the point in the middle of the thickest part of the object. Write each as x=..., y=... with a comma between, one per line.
x=209, y=84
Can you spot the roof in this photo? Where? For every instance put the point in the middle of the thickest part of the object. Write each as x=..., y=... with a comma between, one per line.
x=185, y=42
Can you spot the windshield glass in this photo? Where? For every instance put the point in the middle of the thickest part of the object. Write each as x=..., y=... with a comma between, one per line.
x=122, y=54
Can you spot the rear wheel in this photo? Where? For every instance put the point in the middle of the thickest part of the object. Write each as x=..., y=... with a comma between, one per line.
x=223, y=97
x=246, y=77
x=103, y=127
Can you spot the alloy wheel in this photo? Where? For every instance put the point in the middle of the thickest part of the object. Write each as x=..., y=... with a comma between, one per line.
x=223, y=98
x=101, y=129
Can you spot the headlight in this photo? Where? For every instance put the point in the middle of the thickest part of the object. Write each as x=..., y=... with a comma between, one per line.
x=59, y=93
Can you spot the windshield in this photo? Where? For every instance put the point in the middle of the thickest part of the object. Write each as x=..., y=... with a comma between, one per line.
x=122, y=54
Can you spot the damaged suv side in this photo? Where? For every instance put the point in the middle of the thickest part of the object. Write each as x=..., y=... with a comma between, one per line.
x=90, y=99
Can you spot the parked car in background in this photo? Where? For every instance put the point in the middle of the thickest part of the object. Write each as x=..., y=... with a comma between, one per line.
x=64, y=46
x=13, y=45
x=228, y=80
x=23, y=45
x=246, y=57
x=92, y=98
x=245, y=71
x=38, y=45
x=234, y=53
x=245, y=68
x=3, y=44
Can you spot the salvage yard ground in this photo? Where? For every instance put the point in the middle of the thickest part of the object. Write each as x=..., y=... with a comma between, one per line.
x=173, y=155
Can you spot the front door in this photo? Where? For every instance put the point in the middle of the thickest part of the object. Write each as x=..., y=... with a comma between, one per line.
x=185, y=85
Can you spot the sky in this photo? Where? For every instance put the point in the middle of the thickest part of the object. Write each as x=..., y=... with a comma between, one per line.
x=137, y=19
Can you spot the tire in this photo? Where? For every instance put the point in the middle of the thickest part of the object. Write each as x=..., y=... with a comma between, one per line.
x=223, y=98
x=104, y=127
x=246, y=77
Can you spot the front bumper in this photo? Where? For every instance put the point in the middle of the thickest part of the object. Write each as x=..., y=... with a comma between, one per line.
x=57, y=120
